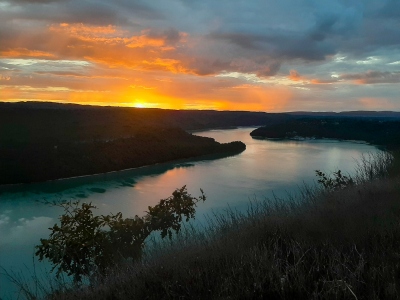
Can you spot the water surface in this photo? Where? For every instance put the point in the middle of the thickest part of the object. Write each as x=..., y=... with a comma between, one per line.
x=265, y=167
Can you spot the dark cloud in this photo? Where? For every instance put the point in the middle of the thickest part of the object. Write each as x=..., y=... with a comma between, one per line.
x=207, y=66
x=286, y=46
x=118, y=12
x=305, y=48
x=249, y=29
x=269, y=70
x=34, y=1
x=388, y=9
x=60, y=73
x=373, y=77
x=203, y=66
x=336, y=27
x=171, y=36
x=323, y=28
x=139, y=8
x=376, y=29
x=247, y=41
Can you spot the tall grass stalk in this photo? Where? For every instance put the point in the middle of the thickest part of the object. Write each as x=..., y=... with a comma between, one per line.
x=373, y=166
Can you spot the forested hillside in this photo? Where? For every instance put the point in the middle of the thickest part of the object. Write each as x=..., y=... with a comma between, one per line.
x=375, y=131
x=50, y=141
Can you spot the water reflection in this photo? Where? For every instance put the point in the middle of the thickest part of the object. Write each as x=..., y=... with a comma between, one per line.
x=264, y=167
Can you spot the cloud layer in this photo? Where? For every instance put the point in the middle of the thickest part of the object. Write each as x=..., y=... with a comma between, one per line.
x=270, y=56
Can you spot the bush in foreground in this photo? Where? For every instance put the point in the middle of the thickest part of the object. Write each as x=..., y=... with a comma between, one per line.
x=88, y=245
x=324, y=248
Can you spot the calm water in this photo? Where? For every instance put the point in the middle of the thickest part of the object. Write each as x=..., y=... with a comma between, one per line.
x=265, y=166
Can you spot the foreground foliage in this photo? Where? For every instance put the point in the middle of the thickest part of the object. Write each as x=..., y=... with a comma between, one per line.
x=85, y=245
x=318, y=244
x=344, y=245
x=337, y=182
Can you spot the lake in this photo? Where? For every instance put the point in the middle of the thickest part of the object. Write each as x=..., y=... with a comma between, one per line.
x=264, y=167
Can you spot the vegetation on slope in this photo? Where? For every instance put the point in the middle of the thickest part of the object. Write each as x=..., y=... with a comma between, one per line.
x=375, y=131
x=39, y=161
x=41, y=141
x=55, y=123
x=339, y=241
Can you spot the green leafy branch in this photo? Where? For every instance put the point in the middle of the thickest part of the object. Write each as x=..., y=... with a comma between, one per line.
x=84, y=244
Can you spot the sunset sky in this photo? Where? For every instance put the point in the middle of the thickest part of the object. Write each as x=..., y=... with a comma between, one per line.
x=273, y=56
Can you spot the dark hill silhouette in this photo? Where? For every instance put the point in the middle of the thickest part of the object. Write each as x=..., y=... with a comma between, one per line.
x=41, y=141
x=351, y=114
x=375, y=131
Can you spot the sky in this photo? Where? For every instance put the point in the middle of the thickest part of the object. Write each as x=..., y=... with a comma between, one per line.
x=273, y=56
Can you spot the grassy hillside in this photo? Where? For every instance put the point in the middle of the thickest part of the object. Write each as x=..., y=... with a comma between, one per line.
x=319, y=244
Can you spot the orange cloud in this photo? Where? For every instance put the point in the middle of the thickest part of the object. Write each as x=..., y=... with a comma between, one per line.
x=227, y=95
x=82, y=29
x=143, y=41
x=149, y=50
x=163, y=40
x=295, y=76
x=111, y=35
x=105, y=65
x=166, y=64
x=108, y=34
x=21, y=93
x=26, y=53
x=322, y=81
x=5, y=78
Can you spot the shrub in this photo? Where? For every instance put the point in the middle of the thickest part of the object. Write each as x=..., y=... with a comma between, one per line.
x=84, y=244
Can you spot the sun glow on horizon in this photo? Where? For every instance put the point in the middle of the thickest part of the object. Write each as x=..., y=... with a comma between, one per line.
x=175, y=62
x=144, y=104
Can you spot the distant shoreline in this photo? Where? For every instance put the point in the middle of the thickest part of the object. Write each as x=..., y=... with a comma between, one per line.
x=379, y=133
x=306, y=139
x=214, y=128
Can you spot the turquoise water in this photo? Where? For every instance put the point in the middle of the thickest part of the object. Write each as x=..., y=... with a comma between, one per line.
x=265, y=167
